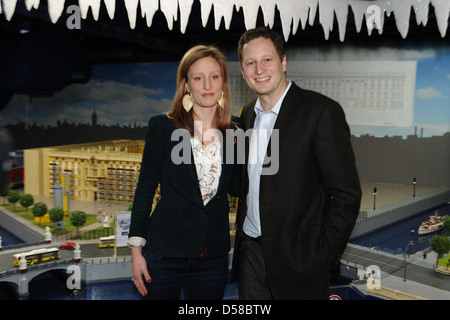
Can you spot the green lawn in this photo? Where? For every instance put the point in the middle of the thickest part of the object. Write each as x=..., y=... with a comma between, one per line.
x=68, y=227
x=444, y=261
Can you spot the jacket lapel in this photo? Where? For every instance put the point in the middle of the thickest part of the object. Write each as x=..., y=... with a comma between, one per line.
x=193, y=170
x=282, y=124
x=225, y=172
x=194, y=192
x=287, y=112
x=227, y=168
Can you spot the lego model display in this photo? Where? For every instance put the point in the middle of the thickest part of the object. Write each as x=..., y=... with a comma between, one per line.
x=104, y=171
x=107, y=242
x=68, y=245
x=38, y=255
x=433, y=224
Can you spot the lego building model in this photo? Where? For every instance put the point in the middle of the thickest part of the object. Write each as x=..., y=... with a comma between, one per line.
x=104, y=171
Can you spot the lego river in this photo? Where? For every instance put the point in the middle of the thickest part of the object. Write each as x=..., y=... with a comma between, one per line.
x=394, y=238
x=52, y=285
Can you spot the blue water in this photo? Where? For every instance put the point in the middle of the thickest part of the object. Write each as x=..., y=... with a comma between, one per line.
x=395, y=238
x=8, y=238
x=52, y=285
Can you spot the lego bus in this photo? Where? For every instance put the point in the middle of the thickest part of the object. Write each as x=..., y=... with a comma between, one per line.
x=106, y=242
x=38, y=255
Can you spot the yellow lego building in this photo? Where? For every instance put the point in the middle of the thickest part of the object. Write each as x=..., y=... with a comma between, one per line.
x=103, y=171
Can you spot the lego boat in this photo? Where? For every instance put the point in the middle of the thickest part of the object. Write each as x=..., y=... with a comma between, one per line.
x=433, y=224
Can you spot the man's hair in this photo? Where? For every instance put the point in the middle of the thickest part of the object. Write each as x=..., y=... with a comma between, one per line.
x=267, y=33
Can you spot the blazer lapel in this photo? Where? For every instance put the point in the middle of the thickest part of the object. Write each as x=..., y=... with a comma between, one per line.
x=227, y=167
x=283, y=122
x=287, y=112
x=192, y=172
x=192, y=169
x=225, y=172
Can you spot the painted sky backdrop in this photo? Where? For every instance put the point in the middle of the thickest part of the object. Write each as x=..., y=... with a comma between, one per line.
x=128, y=94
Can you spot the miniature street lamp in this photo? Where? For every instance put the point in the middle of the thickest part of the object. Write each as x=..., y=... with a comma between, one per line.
x=411, y=243
x=374, y=197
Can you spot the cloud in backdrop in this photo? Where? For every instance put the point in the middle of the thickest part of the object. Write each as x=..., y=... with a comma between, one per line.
x=128, y=94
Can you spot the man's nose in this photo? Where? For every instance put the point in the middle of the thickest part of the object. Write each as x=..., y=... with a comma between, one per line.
x=259, y=68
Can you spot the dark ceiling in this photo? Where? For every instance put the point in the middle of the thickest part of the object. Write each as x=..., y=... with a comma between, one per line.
x=48, y=56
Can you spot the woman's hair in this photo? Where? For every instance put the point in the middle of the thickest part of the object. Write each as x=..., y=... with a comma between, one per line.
x=177, y=114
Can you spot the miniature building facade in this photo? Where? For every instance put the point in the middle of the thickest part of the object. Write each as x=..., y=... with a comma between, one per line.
x=375, y=93
x=105, y=171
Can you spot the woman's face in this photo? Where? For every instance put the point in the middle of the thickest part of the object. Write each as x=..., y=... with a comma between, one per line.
x=205, y=82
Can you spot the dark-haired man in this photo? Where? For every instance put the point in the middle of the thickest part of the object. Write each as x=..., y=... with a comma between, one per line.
x=293, y=224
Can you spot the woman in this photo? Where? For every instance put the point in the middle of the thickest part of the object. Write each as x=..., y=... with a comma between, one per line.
x=183, y=245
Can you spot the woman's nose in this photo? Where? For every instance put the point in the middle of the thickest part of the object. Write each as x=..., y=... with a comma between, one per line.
x=207, y=83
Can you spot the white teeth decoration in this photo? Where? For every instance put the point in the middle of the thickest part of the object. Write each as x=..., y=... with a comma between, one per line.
x=55, y=9
x=442, y=10
x=170, y=10
x=110, y=7
x=84, y=7
x=185, y=13
x=131, y=6
x=293, y=13
x=31, y=4
x=8, y=8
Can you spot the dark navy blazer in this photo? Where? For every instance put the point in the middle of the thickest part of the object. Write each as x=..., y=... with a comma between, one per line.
x=309, y=206
x=181, y=226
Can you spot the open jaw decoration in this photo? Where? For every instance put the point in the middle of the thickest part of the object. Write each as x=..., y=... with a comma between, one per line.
x=293, y=13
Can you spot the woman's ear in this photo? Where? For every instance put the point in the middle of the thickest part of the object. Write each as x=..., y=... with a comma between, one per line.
x=186, y=86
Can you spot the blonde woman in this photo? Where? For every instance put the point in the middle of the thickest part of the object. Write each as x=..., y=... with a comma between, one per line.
x=183, y=246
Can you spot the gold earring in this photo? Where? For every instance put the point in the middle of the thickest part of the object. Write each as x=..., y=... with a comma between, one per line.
x=221, y=101
x=188, y=102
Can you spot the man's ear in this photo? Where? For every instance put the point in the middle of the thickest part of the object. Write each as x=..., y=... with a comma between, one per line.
x=242, y=72
x=284, y=63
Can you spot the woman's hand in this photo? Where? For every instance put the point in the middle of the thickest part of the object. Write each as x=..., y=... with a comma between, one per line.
x=139, y=270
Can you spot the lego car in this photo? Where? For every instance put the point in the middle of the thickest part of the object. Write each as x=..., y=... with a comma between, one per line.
x=68, y=245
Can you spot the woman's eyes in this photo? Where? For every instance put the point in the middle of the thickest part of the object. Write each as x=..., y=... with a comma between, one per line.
x=214, y=77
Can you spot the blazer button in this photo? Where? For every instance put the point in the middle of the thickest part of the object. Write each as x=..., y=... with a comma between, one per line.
x=205, y=213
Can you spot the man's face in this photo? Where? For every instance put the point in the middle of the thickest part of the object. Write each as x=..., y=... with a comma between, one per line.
x=262, y=69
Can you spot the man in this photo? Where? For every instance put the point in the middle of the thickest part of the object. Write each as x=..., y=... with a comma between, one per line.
x=293, y=222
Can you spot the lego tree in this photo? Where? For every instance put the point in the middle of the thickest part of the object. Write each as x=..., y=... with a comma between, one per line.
x=13, y=196
x=26, y=200
x=78, y=219
x=441, y=245
x=56, y=215
x=39, y=210
x=4, y=193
